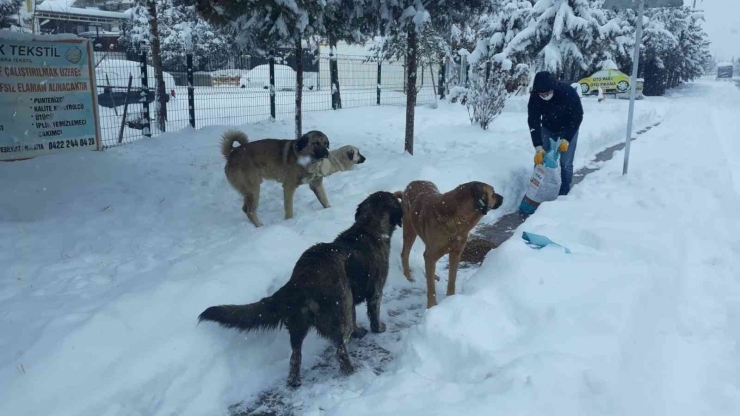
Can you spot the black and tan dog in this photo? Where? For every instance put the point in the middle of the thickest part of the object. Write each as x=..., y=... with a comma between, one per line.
x=443, y=222
x=286, y=161
x=328, y=280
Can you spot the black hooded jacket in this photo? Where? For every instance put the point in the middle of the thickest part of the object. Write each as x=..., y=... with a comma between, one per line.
x=562, y=114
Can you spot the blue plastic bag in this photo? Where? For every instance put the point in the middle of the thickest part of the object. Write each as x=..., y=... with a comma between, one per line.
x=539, y=241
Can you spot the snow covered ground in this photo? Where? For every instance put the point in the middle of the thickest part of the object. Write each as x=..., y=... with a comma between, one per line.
x=109, y=257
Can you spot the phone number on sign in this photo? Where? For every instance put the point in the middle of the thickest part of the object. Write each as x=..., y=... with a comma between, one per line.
x=68, y=144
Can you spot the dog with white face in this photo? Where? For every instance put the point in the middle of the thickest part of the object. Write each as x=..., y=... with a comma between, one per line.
x=339, y=160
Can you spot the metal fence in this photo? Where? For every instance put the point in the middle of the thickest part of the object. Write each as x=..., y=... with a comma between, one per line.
x=220, y=90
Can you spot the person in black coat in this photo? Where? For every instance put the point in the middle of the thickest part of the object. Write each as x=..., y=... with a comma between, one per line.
x=555, y=112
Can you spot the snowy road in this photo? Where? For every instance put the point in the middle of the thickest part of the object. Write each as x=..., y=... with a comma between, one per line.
x=109, y=257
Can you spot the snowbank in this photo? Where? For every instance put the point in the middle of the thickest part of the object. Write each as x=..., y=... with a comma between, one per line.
x=111, y=256
x=638, y=320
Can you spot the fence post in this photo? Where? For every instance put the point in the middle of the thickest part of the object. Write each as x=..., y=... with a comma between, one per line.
x=378, y=91
x=191, y=90
x=145, y=96
x=441, y=76
x=336, y=97
x=272, y=84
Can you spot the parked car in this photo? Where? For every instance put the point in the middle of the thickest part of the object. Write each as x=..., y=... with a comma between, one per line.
x=259, y=77
x=611, y=81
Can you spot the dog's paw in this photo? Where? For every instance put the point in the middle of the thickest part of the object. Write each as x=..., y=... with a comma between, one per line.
x=359, y=332
x=437, y=278
x=346, y=368
x=378, y=329
x=407, y=275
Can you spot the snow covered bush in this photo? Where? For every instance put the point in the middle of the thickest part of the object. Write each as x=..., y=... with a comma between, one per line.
x=486, y=95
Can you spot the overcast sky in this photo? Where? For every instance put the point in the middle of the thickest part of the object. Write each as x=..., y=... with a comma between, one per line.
x=722, y=25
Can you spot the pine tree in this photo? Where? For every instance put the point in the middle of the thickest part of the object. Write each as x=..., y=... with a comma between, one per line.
x=674, y=48
x=567, y=37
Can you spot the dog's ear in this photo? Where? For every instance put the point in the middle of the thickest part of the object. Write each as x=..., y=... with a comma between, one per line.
x=351, y=155
x=361, y=209
x=480, y=197
x=301, y=143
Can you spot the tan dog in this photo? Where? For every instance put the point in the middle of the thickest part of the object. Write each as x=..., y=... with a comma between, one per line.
x=443, y=222
x=339, y=160
x=285, y=161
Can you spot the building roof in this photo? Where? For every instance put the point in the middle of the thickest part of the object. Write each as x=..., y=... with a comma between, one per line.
x=63, y=10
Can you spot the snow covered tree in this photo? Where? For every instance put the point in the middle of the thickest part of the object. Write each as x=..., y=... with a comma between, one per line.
x=181, y=31
x=160, y=91
x=674, y=48
x=406, y=20
x=10, y=13
x=567, y=37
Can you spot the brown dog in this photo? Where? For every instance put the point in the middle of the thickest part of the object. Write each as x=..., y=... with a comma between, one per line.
x=443, y=222
x=285, y=161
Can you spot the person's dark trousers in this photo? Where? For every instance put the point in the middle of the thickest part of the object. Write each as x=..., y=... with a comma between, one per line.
x=566, y=159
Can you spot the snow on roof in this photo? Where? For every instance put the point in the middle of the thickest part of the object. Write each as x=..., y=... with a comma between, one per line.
x=65, y=7
x=58, y=4
x=725, y=64
x=100, y=33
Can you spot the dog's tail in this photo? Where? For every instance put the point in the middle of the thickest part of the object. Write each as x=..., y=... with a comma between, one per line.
x=262, y=315
x=398, y=194
x=228, y=139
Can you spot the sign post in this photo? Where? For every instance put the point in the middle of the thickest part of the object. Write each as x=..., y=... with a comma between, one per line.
x=640, y=6
x=47, y=96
